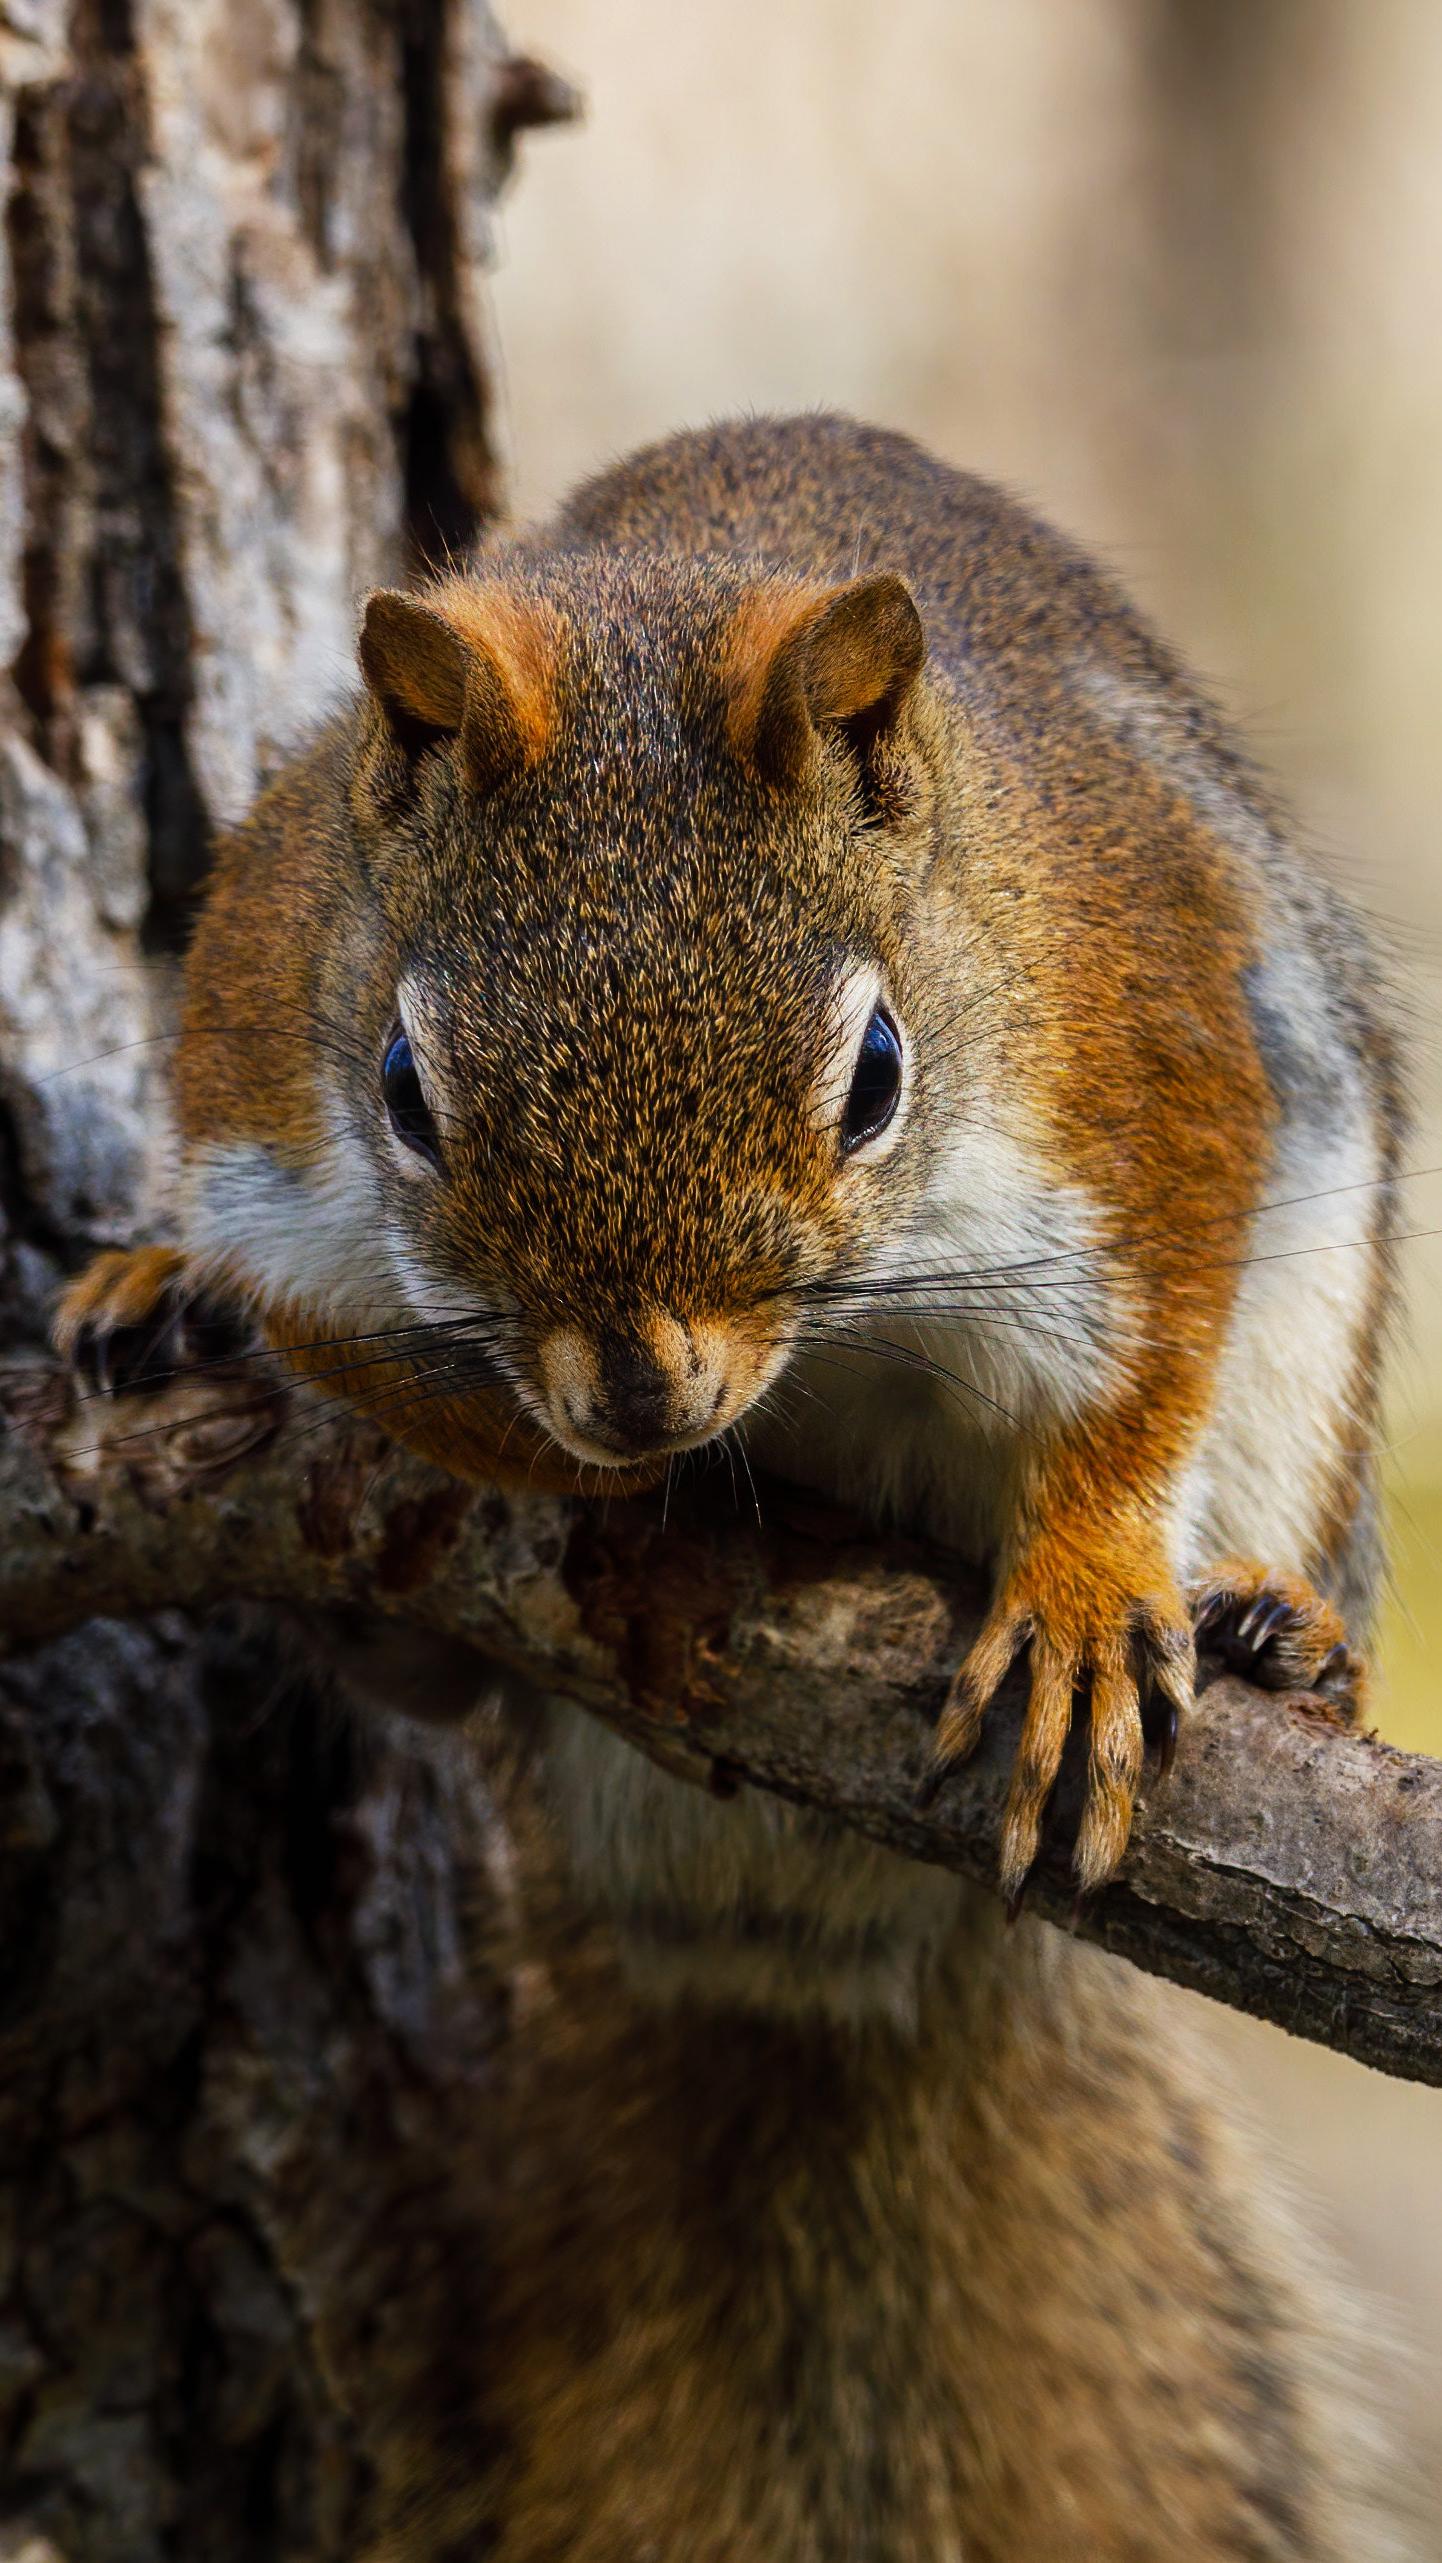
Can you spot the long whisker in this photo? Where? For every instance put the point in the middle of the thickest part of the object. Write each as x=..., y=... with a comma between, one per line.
x=984, y=1311
x=365, y=1402
x=1174, y=1235
x=393, y=1404
x=907, y=1360
x=893, y=1290
x=397, y=1344
x=406, y=1347
x=220, y=1031
x=267, y=1029
x=454, y=1377
x=740, y=1433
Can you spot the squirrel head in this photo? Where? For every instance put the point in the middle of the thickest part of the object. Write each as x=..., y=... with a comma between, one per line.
x=634, y=983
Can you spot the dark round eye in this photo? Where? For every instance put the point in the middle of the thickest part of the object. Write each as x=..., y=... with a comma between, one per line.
x=410, y=1114
x=876, y=1086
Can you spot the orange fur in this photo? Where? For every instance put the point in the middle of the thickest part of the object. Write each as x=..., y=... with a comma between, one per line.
x=627, y=822
x=524, y=641
x=124, y=1287
x=798, y=658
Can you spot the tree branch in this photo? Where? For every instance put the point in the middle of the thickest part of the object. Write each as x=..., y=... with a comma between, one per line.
x=1287, y=1866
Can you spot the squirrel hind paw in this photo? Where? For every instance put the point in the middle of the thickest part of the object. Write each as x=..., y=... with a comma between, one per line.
x=1274, y=1629
x=134, y=1319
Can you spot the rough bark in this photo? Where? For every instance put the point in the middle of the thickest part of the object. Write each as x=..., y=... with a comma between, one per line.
x=243, y=375
x=1288, y=1866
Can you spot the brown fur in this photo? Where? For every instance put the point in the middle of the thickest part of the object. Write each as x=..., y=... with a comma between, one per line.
x=469, y=663
x=1002, y=2290
x=899, y=2238
x=798, y=658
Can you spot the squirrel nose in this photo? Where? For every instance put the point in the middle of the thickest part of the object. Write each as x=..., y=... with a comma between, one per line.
x=631, y=1393
x=636, y=1405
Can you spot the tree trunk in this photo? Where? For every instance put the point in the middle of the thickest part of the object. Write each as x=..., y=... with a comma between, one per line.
x=251, y=2007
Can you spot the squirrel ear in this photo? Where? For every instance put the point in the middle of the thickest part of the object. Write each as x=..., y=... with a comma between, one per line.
x=469, y=664
x=806, y=659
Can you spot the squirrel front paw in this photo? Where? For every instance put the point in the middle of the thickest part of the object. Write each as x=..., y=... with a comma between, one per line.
x=1125, y=1649
x=134, y=1318
x=1276, y=1630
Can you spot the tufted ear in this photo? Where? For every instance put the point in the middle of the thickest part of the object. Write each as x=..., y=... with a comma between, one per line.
x=468, y=664
x=804, y=660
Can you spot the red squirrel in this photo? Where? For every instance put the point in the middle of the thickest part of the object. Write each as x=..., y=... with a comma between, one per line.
x=783, y=951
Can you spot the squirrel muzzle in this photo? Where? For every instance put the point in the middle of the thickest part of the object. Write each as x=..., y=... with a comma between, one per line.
x=621, y=1395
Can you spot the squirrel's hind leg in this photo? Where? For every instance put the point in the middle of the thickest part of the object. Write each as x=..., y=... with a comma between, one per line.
x=1275, y=1629
x=136, y=1316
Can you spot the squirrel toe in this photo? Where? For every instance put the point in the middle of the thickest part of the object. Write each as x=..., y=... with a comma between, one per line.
x=1273, y=1628
x=132, y=1320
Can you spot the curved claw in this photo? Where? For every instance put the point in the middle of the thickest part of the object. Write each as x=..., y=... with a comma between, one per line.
x=1167, y=1736
x=1262, y=1621
x=958, y=1729
x=1272, y=1627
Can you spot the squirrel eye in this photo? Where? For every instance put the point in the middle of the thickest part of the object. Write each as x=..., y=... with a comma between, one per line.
x=876, y=1085
x=410, y=1114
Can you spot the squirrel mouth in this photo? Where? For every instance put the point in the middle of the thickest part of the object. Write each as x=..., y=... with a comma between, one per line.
x=596, y=1444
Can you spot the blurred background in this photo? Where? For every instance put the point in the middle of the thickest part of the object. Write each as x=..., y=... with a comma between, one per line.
x=1173, y=270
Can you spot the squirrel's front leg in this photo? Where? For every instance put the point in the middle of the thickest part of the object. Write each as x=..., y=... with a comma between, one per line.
x=1089, y=1586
